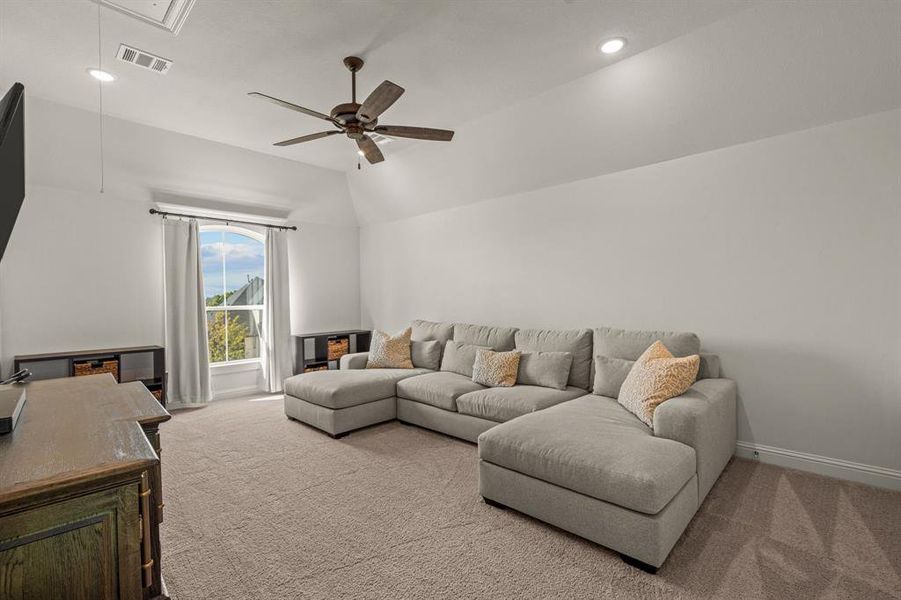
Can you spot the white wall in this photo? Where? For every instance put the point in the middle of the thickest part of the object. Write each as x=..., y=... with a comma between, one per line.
x=781, y=254
x=83, y=269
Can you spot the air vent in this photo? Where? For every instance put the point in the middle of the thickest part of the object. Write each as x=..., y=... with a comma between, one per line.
x=142, y=59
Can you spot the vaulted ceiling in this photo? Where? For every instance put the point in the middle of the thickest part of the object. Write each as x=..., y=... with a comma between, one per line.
x=533, y=102
x=456, y=60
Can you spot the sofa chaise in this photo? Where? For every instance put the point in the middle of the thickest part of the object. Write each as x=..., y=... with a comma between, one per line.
x=570, y=457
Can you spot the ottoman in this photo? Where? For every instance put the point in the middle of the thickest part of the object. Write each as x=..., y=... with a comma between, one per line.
x=339, y=401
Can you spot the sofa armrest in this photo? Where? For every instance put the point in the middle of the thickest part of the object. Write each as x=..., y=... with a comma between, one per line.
x=704, y=418
x=354, y=361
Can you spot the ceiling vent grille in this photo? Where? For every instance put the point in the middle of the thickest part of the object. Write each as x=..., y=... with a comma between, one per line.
x=142, y=59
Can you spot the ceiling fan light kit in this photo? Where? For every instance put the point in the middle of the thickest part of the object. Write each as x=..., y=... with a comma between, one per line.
x=358, y=121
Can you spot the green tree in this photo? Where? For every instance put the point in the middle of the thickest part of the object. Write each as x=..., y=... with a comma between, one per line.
x=219, y=299
x=217, y=332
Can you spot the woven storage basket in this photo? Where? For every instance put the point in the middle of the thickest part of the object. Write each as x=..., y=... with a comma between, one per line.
x=96, y=367
x=338, y=347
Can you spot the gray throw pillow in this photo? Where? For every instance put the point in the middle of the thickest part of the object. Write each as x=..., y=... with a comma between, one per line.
x=609, y=375
x=426, y=355
x=460, y=357
x=547, y=369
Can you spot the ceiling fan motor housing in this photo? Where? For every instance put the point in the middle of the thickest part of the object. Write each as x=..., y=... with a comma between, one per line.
x=346, y=114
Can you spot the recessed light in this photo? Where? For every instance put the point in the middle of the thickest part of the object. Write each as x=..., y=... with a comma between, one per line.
x=101, y=75
x=613, y=46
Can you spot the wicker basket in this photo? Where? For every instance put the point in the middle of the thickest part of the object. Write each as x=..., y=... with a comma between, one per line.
x=96, y=367
x=158, y=394
x=338, y=347
x=316, y=367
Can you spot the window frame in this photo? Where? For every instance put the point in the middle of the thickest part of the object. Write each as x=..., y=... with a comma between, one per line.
x=258, y=236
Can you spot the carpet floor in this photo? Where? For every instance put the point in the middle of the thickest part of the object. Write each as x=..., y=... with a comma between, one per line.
x=260, y=507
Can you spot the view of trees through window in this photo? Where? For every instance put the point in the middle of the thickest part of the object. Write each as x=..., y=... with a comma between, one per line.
x=233, y=268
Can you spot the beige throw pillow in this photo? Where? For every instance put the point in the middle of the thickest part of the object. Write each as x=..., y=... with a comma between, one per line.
x=496, y=369
x=656, y=377
x=390, y=352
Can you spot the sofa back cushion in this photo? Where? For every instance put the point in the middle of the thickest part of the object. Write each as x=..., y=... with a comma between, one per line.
x=630, y=344
x=575, y=341
x=499, y=339
x=545, y=369
x=425, y=331
x=426, y=355
x=459, y=357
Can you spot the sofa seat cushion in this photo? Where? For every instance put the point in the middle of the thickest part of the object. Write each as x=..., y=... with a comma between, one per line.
x=345, y=388
x=439, y=389
x=593, y=446
x=504, y=403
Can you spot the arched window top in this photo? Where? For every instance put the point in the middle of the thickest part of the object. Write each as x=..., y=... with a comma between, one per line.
x=233, y=264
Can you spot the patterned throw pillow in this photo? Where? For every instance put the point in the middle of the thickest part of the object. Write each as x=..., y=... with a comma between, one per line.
x=656, y=377
x=390, y=352
x=496, y=369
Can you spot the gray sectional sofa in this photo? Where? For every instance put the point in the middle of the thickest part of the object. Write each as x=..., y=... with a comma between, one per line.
x=569, y=457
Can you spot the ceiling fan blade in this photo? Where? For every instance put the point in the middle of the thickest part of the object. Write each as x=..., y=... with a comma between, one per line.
x=370, y=150
x=286, y=104
x=417, y=133
x=306, y=138
x=378, y=101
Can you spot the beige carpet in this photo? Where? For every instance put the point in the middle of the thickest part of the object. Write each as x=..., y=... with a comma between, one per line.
x=259, y=507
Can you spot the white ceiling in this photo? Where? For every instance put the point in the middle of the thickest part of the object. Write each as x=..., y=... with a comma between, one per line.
x=775, y=68
x=457, y=60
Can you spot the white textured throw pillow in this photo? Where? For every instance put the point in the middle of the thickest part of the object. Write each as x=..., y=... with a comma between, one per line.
x=496, y=369
x=390, y=352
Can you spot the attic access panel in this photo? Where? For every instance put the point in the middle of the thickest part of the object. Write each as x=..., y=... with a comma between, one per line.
x=165, y=14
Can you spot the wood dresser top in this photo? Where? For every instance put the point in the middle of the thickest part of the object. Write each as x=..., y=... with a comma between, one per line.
x=74, y=433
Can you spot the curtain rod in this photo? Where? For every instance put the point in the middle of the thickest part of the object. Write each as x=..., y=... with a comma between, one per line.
x=154, y=211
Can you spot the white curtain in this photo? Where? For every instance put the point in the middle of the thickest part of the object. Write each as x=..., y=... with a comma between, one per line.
x=278, y=360
x=186, y=336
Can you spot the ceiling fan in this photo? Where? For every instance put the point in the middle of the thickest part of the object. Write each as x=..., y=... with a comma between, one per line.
x=356, y=121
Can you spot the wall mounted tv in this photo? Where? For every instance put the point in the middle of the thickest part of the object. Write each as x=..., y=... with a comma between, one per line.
x=12, y=160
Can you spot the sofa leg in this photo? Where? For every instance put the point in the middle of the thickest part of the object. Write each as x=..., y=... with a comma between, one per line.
x=491, y=502
x=634, y=562
x=337, y=436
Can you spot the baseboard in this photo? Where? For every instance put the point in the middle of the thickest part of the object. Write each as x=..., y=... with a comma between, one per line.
x=822, y=465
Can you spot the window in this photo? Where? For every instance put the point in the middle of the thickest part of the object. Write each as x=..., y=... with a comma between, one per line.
x=233, y=267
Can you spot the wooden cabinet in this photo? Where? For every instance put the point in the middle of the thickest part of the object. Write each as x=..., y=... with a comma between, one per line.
x=81, y=493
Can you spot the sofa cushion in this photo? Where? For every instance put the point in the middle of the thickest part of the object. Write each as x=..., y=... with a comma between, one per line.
x=494, y=338
x=575, y=341
x=345, y=388
x=459, y=358
x=709, y=367
x=503, y=404
x=609, y=375
x=593, y=446
x=426, y=355
x=546, y=369
x=496, y=369
x=439, y=389
x=630, y=344
x=425, y=331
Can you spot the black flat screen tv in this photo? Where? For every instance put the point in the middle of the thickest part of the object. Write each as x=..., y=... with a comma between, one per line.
x=12, y=160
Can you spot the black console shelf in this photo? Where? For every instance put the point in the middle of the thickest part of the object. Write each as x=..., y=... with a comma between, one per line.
x=357, y=340
x=149, y=370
